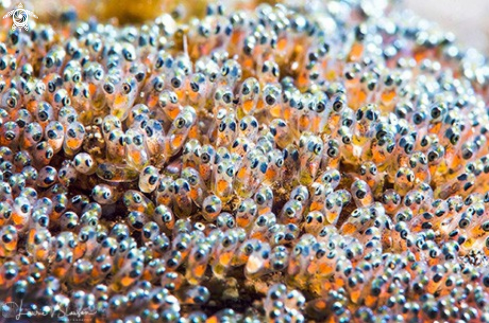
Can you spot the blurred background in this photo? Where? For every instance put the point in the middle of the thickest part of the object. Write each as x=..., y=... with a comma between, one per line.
x=465, y=18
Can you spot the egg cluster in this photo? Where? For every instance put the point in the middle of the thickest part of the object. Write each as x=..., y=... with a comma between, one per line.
x=327, y=162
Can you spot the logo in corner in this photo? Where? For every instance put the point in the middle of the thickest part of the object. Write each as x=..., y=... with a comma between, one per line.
x=20, y=17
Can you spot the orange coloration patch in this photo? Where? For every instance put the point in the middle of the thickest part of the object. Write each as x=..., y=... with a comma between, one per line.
x=287, y=113
x=315, y=206
x=355, y=52
x=225, y=258
x=42, y=254
x=420, y=55
x=320, y=305
x=147, y=275
x=117, y=113
x=95, y=272
x=222, y=185
x=348, y=228
x=235, y=37
x=270, y=174
x=72, y=143
x=325, y=269
x=172, y=112
x=260, y=105
x=331, y=75
x=204, y=171
x=248, y=106
x=77, y=279
x=193, y=95
x=136, y=156
x=120, y=100
x=243, y=222
x=264, y=211
x=180, y=94
x=282, y=44
x=176, y=141
x=242, y=174
x=212, y=319
x=152, y=101
x=60, y=272
x=26, y=143
x=32, y=106
x=18, y=219
x=370, y=300
x=304, y=122
x=78, y=252
x=242, y=259
x=312, y=268
x=361, y=97
x=315, y=123
x=10, y=246
x=199, y=270
x=92, y=89
x=248, y=63
x=194, y=194
x=388, y=96
x=126, y=281
x=302, y=80
x=276, y=111
x=355, y=296
x=193, y=133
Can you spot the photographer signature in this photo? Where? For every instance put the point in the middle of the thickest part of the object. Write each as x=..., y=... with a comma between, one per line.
x=18, y=311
